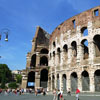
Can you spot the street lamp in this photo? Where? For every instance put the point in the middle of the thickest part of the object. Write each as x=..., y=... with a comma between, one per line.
x=4, y=31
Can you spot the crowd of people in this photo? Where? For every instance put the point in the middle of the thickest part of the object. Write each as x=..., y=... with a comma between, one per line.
x=20, y=91
x=58, y=95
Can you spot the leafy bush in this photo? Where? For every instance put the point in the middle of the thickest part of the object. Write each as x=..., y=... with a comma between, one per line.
x=13, y=85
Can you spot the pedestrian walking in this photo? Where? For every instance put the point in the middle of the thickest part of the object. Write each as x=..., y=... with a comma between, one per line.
x=69, y=92
x=36, y=92
x=58, y=94
x=55, y=94
x=44, y=93
x=61, y=95
x=77, y=94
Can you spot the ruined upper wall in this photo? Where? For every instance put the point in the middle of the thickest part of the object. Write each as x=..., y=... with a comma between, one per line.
x=41, y=39
x=81, y=20
x=41, y=36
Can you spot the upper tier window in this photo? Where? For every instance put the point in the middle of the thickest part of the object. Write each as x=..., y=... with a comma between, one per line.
x=54, y=44
x=74, y=23
x=96, y=12
x=84, y=31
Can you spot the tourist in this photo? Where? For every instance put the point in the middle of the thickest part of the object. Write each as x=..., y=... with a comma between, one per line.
x=77, y=94
x=36, y=92
x=0, y=91
x=61, y=95
x=55, y=94
x=58, y=94
x=44, y=93
x=69, y=92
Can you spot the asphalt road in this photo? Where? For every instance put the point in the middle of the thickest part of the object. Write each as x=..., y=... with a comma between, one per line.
x=47, y=97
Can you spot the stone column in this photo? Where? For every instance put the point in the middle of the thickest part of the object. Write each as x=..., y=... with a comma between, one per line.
x=68, y=82
x=28, y=62
x=51, y=61
x=56, y=59
x=37, y=59
x=79, y=52
x=90, y=42
x=61, y=60
x=79, y=45
x=61, y=84
x=69, y=54
x=92, y=84
x=51, y=83
x=57, y=62
x=24, y=81
x=37, y=79
x=91, y=51
x=55, y=81
x=80, y=82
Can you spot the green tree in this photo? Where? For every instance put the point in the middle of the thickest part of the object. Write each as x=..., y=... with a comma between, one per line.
x=5, y=75
x=12, y=85
x=19, y=78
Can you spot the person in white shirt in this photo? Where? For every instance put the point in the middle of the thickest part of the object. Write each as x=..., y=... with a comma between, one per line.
x=61, y=95
x=55, y=94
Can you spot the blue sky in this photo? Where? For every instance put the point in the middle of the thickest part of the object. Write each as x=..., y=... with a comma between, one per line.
x=22, y=16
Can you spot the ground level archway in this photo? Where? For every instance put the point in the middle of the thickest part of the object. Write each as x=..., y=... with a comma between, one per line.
x=85, y=81
x=31, y=80
x=73, y=81
x=97, y=80
x=64, y=82
x=44, y=78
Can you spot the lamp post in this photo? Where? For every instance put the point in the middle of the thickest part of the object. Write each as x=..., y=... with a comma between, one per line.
x=4, y=31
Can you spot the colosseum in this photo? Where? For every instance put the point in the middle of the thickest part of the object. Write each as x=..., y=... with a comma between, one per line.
x=70, y=56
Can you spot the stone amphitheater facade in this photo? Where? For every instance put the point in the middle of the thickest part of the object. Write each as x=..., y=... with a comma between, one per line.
x=73, y=60
x=74, y=53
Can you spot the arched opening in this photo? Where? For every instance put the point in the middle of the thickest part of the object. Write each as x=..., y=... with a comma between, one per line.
x=53, y=80
x=97, y=80
x=33, y=61
x=85, y=49
x=74, y=48
x=64, y=82
x=85, y=81
x=31, y=80
x=97, y=45
x=84, y=31
x=44, y=78
x=44, y=51
x=58, y=53
x=54, y=44
x=54, y=57
x=65, y=55
x=58, y=82
x=73, y=81
x=96, y=12
x=43, y=61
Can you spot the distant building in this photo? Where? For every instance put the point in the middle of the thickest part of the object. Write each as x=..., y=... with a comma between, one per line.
x=16, y=72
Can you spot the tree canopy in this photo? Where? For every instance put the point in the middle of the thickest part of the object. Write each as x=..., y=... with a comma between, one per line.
x=5, y=75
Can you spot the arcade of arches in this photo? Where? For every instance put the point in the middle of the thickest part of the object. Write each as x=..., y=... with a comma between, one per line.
x=70, y=57
x=31, y=81
x=74, y=53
